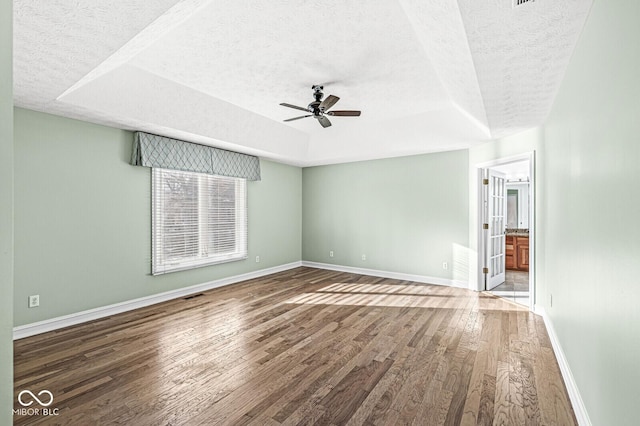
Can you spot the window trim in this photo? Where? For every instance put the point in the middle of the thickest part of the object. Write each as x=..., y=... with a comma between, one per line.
x=160, y=266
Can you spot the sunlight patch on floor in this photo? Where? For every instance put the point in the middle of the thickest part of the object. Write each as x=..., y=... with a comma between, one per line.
x=397, y=295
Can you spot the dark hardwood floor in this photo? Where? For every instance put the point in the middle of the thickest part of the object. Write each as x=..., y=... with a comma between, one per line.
x=305, y=346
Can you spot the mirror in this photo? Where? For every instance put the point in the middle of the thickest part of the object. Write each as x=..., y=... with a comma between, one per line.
x=517, y=205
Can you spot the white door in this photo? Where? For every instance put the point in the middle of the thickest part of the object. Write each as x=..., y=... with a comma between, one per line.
x=495, y=237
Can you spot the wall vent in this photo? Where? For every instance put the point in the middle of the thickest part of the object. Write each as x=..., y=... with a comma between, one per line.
x=193, y=296
x=517, y=3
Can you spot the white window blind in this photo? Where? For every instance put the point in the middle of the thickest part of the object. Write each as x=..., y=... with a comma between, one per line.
x=198, y=219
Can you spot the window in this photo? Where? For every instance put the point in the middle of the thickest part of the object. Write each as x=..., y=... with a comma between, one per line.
x=198, y=220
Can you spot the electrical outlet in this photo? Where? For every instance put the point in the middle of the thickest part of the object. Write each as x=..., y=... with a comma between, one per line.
x=34, y=301
x=331, y=253
x=364, y=257
x=445, y=265
x=257, y=259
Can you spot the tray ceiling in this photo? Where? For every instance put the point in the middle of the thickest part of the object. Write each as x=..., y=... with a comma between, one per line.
x=427, y=75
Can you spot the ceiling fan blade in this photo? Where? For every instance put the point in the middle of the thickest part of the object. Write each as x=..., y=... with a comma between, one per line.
x=298, y=118
x=324, y=121
x=344, y=113
x=329, y=102
x=295, y=107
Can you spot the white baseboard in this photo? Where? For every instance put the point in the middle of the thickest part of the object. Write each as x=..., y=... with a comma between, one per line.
x=387, y=274
x=572, y=388
x=39, y=327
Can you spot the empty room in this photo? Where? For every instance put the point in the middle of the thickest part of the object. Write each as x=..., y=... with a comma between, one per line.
x=319, y=213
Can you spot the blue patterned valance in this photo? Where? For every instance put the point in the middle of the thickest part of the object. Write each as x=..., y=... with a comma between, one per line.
x=166, y=153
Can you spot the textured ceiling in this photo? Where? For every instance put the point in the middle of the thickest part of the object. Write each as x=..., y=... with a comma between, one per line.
x=428, y=75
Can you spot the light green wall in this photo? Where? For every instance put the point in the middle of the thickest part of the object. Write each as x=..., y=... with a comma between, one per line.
x=82, y=226
x=406, y=214
x=6, y=213
x=592, y=204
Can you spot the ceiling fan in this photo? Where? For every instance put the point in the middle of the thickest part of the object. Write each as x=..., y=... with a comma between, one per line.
x=319, y=107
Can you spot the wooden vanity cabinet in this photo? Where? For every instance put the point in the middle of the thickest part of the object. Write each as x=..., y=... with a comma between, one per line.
x=517, y=253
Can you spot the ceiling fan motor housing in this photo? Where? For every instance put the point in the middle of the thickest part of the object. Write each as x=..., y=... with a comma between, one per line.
x=314, y=107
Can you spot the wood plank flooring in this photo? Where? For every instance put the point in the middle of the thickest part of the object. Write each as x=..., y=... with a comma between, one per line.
x=302, y=347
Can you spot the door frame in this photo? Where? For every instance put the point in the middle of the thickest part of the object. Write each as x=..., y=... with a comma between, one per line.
x=531, y=158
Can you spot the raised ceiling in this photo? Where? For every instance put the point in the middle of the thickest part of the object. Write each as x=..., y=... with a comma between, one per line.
x=428, y=75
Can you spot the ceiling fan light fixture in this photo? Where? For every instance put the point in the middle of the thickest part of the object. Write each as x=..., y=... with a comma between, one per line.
x=319, y=108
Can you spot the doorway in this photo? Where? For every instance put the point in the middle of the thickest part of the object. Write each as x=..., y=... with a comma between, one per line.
x=506, y=209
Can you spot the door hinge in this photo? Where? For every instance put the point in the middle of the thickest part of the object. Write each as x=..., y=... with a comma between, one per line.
x=485, y=226
x=485, y=270
x=485, y=181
